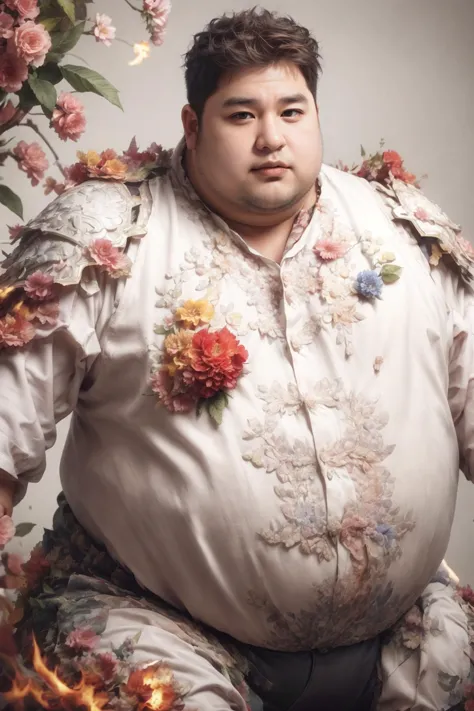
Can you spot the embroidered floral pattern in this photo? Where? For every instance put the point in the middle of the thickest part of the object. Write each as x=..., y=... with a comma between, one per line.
x=334, y=276
x=75, y=586
x=370, y=527
x=438, y=235
x=84, y=227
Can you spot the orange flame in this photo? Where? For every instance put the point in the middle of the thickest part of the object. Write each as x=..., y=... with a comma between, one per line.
x=153, y=688
x=82, y=695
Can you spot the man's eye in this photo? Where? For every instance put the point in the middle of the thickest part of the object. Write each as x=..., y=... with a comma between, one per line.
x=242, y=115
x=292, y=113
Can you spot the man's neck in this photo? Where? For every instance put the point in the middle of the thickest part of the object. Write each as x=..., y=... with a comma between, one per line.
x=271, y=241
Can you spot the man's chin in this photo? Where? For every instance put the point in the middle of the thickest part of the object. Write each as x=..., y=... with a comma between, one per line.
x=271, y=203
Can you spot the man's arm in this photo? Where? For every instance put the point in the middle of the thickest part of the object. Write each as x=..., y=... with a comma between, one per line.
x=461, y=379
x=57, y=294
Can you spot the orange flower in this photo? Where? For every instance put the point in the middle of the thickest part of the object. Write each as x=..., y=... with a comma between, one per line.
x=195, y=313
x=178, y=349
x=217, y=361
x=105, y=165
x=392, y=158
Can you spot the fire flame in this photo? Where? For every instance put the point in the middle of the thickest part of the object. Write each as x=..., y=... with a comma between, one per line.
x=152, y=687
x=82, y=695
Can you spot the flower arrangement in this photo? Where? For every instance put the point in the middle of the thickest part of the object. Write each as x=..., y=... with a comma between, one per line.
x=198, y=366
x=36, y=36
x=380, y=167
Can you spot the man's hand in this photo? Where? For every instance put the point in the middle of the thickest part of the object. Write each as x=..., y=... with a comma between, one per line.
x=7, y=488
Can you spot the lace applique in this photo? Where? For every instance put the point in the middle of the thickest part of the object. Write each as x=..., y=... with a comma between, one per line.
x=86, y=226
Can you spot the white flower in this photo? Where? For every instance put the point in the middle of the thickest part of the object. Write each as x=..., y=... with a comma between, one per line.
x=103, y=29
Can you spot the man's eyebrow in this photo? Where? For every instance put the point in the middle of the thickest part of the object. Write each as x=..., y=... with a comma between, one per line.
x=248, y=101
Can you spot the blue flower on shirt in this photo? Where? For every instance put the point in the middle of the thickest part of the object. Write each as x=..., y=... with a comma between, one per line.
x=369, y=284
x=387, y=533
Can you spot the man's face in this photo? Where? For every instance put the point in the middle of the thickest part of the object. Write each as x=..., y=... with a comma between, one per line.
x=257, y=151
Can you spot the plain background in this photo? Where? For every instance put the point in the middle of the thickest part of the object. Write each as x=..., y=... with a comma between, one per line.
x=401, y=70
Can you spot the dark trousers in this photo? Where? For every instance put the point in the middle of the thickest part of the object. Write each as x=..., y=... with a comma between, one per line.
x=343, y=679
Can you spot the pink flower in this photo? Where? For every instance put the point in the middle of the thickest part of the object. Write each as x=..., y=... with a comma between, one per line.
x=32, y=160
x=75, y=174
x=49, y=185
x=15, y=331
x=7, y=112
x=158, y=12
x=13, y=72
x=27, y=9
x=32, y=43
x=327, y=249
x=7, y=530
x=15, y=232
x=169, y=394
x=6, y=25
x=421, y=214
x=103, y=253
x=108, y=665
x=68, y=118
x=82, y=639
x=39, y=286
x=47, y=313
x=104, y=31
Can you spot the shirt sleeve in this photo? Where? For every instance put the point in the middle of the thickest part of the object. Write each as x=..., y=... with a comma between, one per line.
x=41, y=381
x=461, y=380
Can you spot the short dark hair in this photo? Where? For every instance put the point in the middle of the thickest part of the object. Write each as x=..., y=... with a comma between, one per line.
x=252, y=38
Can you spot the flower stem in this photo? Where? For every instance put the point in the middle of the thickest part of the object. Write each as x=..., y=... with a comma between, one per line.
x=34, y=127
x=137, y=9
x=14, y=121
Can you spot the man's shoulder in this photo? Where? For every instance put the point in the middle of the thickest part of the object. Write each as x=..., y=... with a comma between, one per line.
x=439, y=237
x=93, y=218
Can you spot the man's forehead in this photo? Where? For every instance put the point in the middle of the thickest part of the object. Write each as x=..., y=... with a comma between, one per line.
x=279, y=82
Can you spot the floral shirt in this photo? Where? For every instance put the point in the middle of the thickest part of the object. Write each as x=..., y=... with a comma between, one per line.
x=272, y=447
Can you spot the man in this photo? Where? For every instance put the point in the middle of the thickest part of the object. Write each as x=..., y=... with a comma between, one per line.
x=271, y=384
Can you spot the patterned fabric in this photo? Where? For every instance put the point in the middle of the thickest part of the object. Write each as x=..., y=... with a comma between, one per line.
x=313, y=501
x=88, y=613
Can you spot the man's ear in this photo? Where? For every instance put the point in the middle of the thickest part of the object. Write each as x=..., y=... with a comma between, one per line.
x=190, y=126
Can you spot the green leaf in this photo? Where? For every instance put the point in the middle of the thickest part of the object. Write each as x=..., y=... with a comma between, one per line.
x=363, y=152
x=390, y=273
x=11, y=200
x=48, y=589
x=216, y=407
x=44, y=92
x=27, y=97
x=68, y=7
x=50, y=72
x=23, y=529
x=50, y=23
x=63, y=42
x=85, y=79
x=161, y=330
